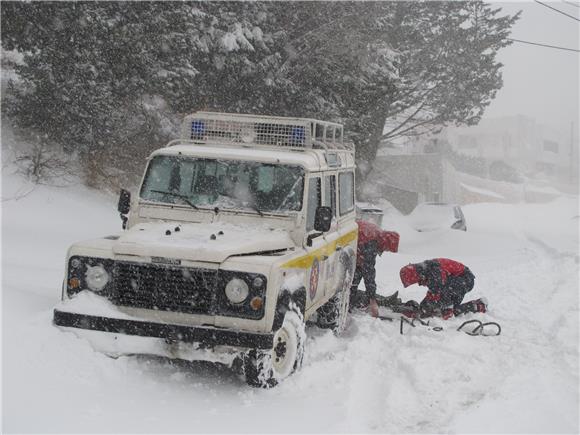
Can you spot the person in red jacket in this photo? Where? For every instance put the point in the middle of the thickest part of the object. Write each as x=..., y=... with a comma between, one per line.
x=372, y=241
x=447, y=283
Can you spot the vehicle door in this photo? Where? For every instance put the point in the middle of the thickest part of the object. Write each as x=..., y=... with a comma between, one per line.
x=317, y=258
x=331, y=256
x=347, y=227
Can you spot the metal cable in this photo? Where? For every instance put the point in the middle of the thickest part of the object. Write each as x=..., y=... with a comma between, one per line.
x=557, y=10
x=544, y=45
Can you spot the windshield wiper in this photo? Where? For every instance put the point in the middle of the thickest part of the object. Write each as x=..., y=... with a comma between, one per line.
x=255, y=207
x=177, y=195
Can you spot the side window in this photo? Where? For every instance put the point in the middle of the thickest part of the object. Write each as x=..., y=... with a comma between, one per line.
x=330, y=133
x=346, y=192
x=319, y=132
x=338, y=135
x=330, y=192
x=313, y=202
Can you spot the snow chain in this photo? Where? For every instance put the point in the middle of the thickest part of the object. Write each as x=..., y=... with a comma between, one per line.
x=478, y=330
x=421, y=322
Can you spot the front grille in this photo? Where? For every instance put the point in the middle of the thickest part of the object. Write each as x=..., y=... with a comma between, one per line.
x=162, y=287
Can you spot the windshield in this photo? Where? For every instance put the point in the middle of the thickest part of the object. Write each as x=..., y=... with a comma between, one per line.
x=225, y=184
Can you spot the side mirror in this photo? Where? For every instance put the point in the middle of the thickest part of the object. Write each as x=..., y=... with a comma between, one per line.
x=323, y=219
x=124, y=205
x=124, y=202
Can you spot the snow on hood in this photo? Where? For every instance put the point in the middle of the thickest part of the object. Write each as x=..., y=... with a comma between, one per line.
x=199, y=242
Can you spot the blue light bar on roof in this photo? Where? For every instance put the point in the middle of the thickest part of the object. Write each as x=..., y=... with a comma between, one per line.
x=197, y=129
x=298, y=136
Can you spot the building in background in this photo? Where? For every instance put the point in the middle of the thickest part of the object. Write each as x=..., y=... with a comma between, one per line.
x=410, y=173
x=533, y=149
x=509, y=159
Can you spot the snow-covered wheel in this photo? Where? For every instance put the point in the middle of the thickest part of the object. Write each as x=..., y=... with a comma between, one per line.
x=333, y=314
x=265, y=369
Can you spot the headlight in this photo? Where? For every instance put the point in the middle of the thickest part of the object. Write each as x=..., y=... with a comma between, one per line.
x=237, y=291
x=96, y=277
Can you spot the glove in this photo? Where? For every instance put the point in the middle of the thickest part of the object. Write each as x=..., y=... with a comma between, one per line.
x=373, y=308
x=394, y=299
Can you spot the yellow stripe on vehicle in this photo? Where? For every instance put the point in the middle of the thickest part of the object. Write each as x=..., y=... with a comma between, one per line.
x=305, y=261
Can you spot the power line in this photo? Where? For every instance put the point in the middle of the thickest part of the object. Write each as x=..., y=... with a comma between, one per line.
x=543, y=45
x=557, y=10
x=572, y=3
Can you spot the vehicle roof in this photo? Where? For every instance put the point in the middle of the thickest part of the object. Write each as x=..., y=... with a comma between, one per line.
x=310, y=159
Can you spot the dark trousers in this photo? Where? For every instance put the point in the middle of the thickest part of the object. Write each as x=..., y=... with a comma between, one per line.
x=452, y=294
x=360, y=299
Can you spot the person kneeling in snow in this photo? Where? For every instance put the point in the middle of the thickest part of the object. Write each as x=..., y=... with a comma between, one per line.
x=448, y=282
x=372, y=241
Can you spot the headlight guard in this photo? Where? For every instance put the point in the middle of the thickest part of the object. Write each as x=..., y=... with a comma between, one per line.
x=89, y=273
x=245, y=304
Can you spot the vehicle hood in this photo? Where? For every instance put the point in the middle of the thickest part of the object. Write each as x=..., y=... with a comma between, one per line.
x=213, y=242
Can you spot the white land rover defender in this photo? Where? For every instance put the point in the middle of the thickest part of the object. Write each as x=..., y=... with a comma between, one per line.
x=242, y=230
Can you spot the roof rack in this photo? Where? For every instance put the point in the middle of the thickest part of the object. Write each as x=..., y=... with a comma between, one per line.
x=268, y=131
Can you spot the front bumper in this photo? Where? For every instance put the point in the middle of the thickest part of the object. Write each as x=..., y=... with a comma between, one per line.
x=207, y=337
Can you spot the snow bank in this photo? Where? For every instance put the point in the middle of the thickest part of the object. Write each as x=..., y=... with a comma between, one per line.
x=553, y=225
x=89, y=303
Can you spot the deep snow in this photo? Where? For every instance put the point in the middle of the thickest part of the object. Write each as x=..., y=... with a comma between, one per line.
x=525, y=258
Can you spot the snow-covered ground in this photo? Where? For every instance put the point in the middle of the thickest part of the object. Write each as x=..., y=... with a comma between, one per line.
x=525, y=258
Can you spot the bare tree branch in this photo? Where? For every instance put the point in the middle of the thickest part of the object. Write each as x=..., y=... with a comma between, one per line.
x=419, y=124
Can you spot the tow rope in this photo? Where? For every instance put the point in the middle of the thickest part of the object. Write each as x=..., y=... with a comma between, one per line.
x=477, y=330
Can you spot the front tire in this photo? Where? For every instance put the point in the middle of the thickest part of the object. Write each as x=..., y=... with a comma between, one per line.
x=265, y=369
x=334, y=314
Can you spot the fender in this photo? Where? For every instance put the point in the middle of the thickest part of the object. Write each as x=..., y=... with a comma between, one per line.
x=284, y=300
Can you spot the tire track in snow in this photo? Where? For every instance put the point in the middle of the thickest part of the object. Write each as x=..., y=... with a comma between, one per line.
x=562, y=329
x=370, y=376
x=530, y=297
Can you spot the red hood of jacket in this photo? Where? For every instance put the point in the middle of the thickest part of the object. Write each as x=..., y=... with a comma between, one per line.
x=368, y=232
